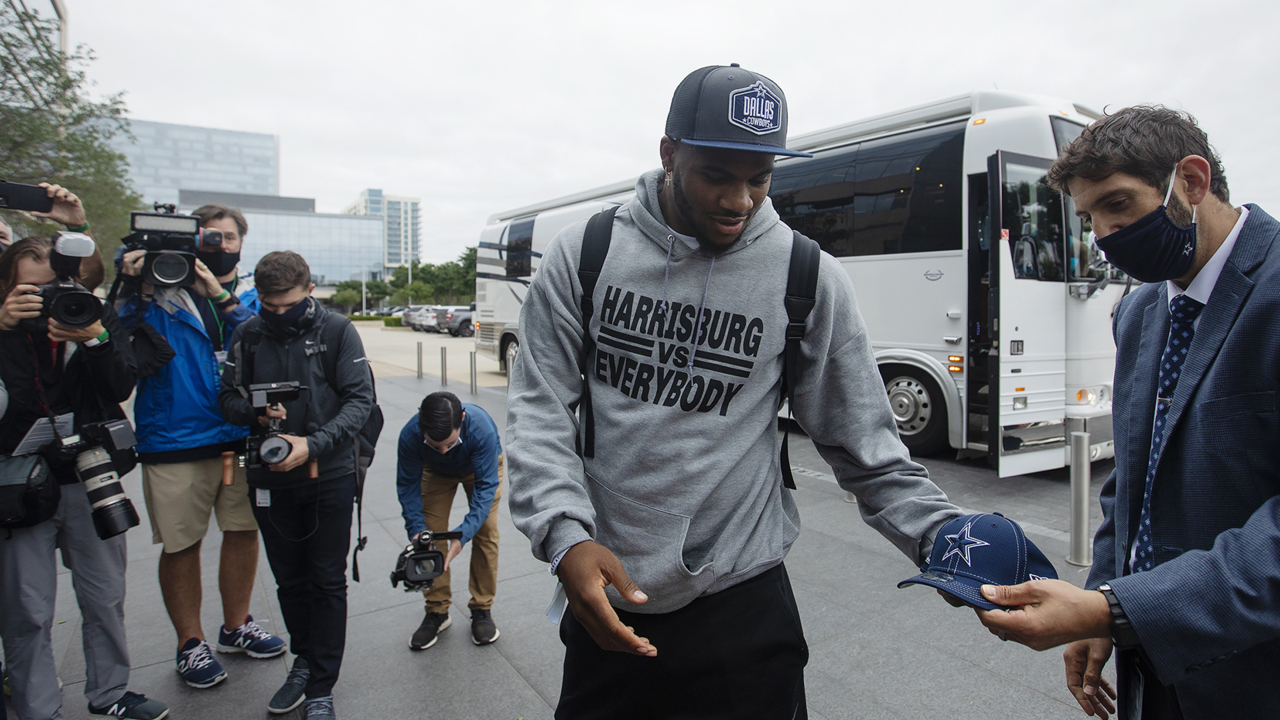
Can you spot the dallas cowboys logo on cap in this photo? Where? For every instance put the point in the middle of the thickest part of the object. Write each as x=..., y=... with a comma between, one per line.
x=961, y=543
x=976, y=550
x=731, y=108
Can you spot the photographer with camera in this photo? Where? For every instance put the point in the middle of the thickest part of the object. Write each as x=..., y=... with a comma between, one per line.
x=446, y=445
x=307, y=390
x=184, y=442
x=62, y=367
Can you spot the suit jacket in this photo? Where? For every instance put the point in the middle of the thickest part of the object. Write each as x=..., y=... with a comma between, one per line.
x=1208, y=615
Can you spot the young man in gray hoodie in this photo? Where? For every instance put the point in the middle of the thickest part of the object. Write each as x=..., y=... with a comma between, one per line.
x=669, y=541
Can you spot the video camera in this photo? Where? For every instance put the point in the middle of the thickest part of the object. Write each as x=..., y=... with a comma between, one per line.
x=113, y=513
x=263, y=449
x=66, y=300
x=171, y=241
x=420, y=563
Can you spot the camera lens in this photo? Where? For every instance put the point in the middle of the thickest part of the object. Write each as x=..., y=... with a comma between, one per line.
x=171, y=268
x=76, y=308
x=274, y=450
x=112, y=511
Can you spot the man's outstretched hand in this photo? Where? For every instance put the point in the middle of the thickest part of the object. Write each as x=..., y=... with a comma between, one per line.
x=585, y=570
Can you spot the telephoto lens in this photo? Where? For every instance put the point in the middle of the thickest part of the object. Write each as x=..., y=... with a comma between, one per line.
x=113, y=513
x=274, y=450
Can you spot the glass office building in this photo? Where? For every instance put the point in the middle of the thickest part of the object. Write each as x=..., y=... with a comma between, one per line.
x=403, y=223
x=166, y=158
x=337, y=247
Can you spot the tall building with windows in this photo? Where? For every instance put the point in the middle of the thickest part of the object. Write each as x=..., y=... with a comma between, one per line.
x=165, y=158
x=338, y=247
x=402, y=220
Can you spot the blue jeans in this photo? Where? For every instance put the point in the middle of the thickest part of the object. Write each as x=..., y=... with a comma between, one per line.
x=307, y=532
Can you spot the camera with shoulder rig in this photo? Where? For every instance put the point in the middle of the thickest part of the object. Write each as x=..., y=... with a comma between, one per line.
x=171, y=241
x=66, y=300
x=420, y=563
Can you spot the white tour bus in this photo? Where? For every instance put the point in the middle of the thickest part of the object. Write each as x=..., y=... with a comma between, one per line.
x=975, y=279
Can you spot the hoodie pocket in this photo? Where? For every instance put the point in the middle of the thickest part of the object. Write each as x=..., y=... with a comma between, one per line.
x=649, y=542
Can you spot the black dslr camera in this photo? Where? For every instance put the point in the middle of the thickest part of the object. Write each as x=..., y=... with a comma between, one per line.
x=171, y=242
x=66, y=300
x=263, y=449
x=113, y=513
x=420, y=563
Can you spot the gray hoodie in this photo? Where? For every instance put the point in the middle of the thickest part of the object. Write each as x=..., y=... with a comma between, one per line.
x=686, y=486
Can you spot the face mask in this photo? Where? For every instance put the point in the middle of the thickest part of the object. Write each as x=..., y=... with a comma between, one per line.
x=1154, y=248
x=220, y=263
x=288, y=317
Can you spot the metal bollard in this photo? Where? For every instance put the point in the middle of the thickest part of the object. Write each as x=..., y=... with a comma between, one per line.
x=419, y=360
x=444, y=366
x=475, y=389
x=1081, y=539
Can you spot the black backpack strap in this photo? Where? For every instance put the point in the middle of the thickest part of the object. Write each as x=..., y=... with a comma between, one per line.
x=595, y=247
x=335, y=326
x=802, y=293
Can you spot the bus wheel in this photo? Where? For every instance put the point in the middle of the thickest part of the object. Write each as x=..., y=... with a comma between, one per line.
x=918, y=408
x=509, y=355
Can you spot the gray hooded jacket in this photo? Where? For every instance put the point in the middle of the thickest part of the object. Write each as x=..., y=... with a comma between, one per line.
x=686, y=486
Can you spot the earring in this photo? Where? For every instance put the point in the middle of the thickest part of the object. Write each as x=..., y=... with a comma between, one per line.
x=667, y=180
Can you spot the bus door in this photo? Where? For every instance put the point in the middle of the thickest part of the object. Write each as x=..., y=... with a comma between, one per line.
x=1026, y=430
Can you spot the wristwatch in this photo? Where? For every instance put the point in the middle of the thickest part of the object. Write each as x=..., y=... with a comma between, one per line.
x=1122, y=633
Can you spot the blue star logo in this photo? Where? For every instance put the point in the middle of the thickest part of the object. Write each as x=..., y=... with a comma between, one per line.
x=961, y=543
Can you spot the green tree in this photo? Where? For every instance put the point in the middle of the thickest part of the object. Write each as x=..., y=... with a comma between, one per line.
x=53, y=131
x=347, y=298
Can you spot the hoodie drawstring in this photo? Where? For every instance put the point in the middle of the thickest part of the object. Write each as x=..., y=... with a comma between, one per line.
x=666, y=276
x=697, y=328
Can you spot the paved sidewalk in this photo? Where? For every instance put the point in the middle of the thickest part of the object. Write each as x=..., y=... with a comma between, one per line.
x=876, y=651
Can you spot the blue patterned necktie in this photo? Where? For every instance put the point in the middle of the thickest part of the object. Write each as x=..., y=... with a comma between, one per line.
x=1182, y=314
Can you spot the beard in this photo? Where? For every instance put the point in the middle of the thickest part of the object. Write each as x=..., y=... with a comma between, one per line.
x=1178, y=211
x=685, y=208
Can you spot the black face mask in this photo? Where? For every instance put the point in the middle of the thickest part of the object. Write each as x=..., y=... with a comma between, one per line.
x=1154, y=248
x=220, y=263
x=289, y=318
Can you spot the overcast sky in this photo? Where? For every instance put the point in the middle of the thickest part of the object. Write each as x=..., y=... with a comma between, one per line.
x=478, y=107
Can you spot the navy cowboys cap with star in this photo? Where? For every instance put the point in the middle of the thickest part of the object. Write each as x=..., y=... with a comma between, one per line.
x=732, y=108
x=976, y=550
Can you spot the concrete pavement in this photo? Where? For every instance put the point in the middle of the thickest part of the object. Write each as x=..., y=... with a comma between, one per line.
x=876, y=651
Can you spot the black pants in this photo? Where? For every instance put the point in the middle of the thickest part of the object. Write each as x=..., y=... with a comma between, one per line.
x=307, y=532
x=737, y=654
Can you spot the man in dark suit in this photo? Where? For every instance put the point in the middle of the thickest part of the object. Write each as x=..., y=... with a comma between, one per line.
x=1186, y=575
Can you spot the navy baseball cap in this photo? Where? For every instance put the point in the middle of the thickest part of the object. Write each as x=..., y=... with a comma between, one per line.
x=976, y=550
x=732, y=108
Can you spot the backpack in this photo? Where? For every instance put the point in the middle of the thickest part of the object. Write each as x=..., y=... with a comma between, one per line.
x=365, y=442
x=29, y=493
x=801, y=295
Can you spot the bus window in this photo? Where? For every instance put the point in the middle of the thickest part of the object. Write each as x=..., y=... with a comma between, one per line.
x=520, y=248
x=1064, y=131
x=1035, y=212
x=897, y=194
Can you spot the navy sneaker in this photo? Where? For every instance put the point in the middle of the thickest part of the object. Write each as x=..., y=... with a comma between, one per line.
x=320, y=708
x=251, y=640
x=197, y=665
x=290, y=695
x=132, y=705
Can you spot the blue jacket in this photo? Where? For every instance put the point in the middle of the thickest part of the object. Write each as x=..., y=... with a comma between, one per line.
x=177, y=407
x=1208, y=614
x=477, y=453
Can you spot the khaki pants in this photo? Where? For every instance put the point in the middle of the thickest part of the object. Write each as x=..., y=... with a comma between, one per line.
x=437, y=499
